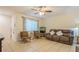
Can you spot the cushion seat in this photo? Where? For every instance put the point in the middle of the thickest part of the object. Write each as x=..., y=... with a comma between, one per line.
x=56, y=38
x=64, y=38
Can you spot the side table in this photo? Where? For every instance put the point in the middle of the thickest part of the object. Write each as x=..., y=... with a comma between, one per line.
x=1, y=44
x=77, y=45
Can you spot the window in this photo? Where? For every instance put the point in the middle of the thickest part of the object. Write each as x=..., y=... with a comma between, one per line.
x=30, y=25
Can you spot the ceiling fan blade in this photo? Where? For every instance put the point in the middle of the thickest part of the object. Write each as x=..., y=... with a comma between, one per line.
x=34, y=9
x=36, y=13
x=48, y=11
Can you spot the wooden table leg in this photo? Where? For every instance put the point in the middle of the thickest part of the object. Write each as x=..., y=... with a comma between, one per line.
x=1, y=44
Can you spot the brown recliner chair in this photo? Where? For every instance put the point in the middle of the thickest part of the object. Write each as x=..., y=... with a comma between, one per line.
x=24, y=36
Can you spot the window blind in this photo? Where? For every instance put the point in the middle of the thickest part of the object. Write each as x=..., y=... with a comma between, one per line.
x=30, y=25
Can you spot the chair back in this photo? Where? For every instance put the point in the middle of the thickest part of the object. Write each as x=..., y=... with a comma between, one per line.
x=23, y=34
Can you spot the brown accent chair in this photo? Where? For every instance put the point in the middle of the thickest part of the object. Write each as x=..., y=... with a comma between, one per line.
x=77, y=49
x=36, y=34
x=78, y=40
x=66, y=38
x=24, y=36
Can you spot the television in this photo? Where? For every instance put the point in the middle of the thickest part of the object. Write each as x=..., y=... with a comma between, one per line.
x=42, y=29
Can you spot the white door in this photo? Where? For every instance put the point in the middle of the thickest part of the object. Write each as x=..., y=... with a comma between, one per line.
x=5, y=26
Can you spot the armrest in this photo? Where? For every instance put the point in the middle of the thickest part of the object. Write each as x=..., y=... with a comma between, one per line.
x=47, y=34
x=68, y=35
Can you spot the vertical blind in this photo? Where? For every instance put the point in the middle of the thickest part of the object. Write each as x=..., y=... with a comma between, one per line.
x=30, y=25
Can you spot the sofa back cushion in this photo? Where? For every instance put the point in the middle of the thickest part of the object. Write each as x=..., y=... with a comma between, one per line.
x=64, y=32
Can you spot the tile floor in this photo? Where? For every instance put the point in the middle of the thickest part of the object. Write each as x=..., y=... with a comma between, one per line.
x=36, y=45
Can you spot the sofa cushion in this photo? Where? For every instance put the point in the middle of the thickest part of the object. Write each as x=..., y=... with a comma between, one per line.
x=56, y=38
x=63, y=38
x=67, y=34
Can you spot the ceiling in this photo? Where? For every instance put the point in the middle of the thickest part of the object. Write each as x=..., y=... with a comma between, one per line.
x=57, y=10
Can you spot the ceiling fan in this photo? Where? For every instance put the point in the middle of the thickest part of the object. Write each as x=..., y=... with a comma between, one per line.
x=42, y=10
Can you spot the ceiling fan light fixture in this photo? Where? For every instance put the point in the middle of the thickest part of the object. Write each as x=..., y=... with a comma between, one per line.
x=42, y=10
x=41, y=13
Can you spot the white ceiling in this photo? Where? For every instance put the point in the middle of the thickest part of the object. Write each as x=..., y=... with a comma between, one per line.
x=27, y=10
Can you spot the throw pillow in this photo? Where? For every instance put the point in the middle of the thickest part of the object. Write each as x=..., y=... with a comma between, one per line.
x=59, y=33
x=52, y=33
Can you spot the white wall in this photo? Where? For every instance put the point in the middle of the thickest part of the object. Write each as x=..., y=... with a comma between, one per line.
x=5, y=26
x=66, y=20
x=41, y=23
x=7, y=13
x=16, y=25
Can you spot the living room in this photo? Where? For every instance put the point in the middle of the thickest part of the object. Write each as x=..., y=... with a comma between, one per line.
x=62, y=20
